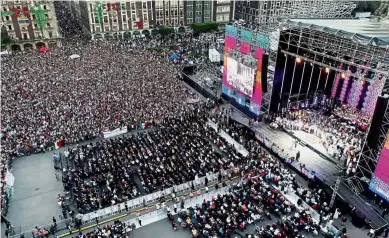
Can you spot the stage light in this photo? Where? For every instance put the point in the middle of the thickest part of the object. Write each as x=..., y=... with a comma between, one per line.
x=327, y=70
x=343, y=75
x=298, y=60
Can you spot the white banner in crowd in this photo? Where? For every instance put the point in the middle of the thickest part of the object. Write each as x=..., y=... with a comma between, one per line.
x=240, y=76
x=116, y=132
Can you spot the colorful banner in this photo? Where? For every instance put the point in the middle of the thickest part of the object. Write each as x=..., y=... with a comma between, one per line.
x=345, y=87
x=231, y=31
x=245, y=48
x=374, y=90
x=230, y=42
x=355, y=94
x=246, y=36
x=380, y=180
x=262, y=41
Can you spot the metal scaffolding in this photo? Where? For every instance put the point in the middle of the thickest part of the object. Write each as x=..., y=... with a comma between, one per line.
x=333, y=50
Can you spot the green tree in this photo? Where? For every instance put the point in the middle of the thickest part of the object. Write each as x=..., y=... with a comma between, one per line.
x=5, y=38
x=164, y=31
x=204, y=27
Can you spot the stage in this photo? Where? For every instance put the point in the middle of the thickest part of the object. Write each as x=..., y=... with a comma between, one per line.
x=324, y=168
x=311, y=140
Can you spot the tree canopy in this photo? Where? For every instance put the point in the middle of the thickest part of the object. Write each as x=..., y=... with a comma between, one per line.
x=204, y=27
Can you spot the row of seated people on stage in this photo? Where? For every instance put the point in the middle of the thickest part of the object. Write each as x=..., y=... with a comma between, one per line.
x=340, y=137
x=116, y=170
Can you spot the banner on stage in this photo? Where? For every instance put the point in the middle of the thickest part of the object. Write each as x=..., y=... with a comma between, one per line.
x=116, y=132
x=240, y=76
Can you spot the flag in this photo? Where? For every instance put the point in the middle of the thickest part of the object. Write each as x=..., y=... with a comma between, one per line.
x=139, y=24
x=58, y=144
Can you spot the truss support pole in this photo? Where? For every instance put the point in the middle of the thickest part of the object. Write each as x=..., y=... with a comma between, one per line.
x=336, y=188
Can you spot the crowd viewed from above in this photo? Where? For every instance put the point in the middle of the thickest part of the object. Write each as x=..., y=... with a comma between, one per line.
x=51, y=100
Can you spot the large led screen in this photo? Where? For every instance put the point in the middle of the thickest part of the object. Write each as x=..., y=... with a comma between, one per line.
x=380, y=180
x=240, y=76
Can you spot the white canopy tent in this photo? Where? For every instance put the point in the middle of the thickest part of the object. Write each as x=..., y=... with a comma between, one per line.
x=214, y=55
x=74, y=56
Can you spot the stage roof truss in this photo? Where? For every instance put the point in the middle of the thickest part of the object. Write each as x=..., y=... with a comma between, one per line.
x=368, y=158
x=335, y=47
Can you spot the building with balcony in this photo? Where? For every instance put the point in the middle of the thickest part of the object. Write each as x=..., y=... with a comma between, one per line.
x=169, y=13
x=268, y=13
x=223, y=10
x=198, y=11
x=29, y=25
x=112, y=19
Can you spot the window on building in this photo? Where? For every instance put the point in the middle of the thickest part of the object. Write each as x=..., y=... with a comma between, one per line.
x=133, y=17
x=25, y=36
x=189, y=20
x=125, y=26
x=206, y=6
x=35, y=26
x=50, y=34
x=198, y=20
x=105, y=19
x=5, y=9
x=145, y=17
x=198, y=6
x=106, y=28
x=144, y=5
x=124, y=18
x=10, y=27
x=97, y=28
x=7, y=18
x=132, y=6
x=166, y=13
x=115, y=19
x=44, y=7
x=47, y=16
x=33, y=17
x=48, y=25
x=198, y=13
x=189, y=14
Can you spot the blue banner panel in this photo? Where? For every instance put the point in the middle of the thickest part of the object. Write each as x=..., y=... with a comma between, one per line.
x=247, y=36
x=262, y=41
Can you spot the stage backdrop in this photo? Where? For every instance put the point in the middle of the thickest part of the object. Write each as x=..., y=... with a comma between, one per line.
x=380, y=180
x=245, y=90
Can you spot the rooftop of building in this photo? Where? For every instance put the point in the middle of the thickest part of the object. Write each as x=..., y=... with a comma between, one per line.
x=363, y=31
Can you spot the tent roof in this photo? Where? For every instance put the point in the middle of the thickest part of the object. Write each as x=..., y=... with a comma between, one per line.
x=363, y=31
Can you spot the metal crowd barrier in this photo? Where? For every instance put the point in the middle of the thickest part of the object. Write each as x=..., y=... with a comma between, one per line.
x=147, y=199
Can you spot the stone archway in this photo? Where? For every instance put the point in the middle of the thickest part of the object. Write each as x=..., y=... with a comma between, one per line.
x=136, y=33
x=28, y=46
x=16, y=47
x=108, y=36
x=154, y=32
x=98, y=36
x=181, y=29
x=52, y=44
x=3, y=48
x=127, y=35
x=40, y=44
x=146, y=32
x=116, y=36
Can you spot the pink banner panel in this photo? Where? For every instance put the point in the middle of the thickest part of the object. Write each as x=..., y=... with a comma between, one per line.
x=245, y=48
x=230, y=42
x=259, y=53
x=224, y=79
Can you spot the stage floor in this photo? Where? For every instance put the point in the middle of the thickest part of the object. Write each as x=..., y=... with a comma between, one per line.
x=324, y=168
x=315, y=142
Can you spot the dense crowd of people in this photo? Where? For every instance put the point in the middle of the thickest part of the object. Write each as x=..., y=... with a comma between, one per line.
x=104, y=173
x=251, y=201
